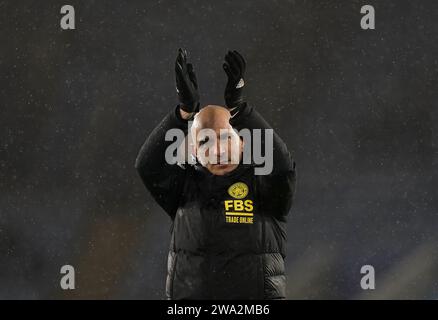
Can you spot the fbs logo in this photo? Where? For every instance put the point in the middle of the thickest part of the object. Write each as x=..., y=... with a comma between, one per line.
x=239, y=211
x=238, y=190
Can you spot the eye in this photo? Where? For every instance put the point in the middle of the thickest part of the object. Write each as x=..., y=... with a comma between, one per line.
x=203, y=141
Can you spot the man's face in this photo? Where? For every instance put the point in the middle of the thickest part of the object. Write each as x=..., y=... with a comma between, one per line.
x=216, y=145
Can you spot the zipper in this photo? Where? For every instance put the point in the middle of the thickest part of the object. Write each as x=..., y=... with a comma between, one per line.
x=262, y=253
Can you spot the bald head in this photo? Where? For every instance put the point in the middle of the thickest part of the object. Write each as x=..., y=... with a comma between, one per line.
x=212, y=117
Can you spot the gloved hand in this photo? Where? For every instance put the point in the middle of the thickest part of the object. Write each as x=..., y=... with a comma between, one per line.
x=186, y=83
x=234, y=67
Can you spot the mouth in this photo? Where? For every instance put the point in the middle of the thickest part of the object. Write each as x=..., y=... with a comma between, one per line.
x=218, y=165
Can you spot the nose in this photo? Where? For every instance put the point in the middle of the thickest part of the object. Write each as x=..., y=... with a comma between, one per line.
x=219, y=151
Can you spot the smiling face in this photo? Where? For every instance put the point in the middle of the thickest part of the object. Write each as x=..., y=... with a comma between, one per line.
x=215, y=143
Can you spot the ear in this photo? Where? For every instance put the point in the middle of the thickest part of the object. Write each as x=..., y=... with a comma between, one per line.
x=191, y=143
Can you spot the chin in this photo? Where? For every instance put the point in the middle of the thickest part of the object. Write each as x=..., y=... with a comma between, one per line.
x=220, y=170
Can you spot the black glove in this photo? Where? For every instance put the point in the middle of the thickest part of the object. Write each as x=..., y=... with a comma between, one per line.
x=186, y=83
x=234, y=67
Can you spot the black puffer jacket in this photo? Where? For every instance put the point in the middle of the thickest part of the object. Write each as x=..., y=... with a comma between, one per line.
x=228, y=232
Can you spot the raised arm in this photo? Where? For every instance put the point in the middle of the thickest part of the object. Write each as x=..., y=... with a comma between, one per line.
x=163, y=180
x=278, y=187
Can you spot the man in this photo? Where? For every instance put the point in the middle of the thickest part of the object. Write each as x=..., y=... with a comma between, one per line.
x=228, y=224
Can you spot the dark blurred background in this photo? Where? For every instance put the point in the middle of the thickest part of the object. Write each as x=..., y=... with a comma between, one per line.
x=358, y=109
